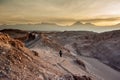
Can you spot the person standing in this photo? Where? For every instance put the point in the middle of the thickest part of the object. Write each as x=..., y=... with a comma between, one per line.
x=60, y=53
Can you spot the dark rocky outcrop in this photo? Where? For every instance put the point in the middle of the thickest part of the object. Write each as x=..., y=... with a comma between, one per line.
x=16, y=34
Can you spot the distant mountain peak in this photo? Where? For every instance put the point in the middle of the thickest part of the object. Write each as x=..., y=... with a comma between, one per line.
x=44, y=23
x=89, y=24
x=78, y=23
x=117, y=24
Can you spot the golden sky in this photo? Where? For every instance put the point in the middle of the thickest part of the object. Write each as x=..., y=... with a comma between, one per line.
x=64, y=12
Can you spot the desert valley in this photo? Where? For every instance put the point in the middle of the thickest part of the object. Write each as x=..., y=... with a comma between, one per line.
x=26, y=55
x=59, y=40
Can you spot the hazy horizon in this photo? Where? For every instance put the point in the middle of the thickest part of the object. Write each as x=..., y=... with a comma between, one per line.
x=102, y=14
x=54, y=27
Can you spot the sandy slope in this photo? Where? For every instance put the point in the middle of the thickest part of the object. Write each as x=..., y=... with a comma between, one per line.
x=67, y=65
x=99, y=69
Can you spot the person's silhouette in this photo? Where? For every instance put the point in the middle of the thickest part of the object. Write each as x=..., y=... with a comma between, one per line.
x=60, y=53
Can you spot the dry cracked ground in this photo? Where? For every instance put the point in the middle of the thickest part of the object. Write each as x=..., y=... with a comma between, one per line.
x=35, y=55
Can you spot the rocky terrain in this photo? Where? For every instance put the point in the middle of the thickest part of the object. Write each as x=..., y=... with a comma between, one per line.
x=16, y=34
x=20, y=63
x=103, y=46
x=83, y=52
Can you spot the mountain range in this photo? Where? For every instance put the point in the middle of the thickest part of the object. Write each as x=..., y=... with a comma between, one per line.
x=77, y=26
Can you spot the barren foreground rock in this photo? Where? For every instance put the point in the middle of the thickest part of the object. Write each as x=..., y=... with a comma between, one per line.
x=19, y=63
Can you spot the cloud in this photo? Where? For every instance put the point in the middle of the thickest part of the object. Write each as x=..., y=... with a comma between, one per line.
x=101, y=19
x=110, y=21
x=3, y=1
x=59, y=11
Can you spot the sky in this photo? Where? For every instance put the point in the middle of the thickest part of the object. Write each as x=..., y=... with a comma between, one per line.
x=61, y=12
